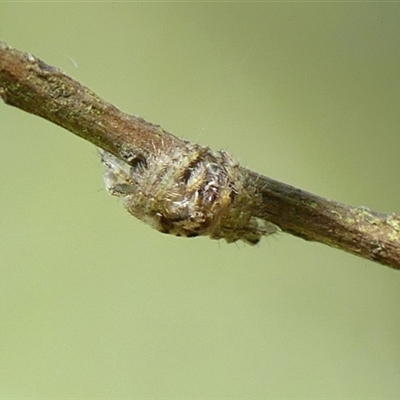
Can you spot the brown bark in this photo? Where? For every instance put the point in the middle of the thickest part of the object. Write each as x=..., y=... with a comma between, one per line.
x=242, y=195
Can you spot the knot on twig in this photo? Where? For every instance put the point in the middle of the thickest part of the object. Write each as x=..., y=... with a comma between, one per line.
x=188, y=191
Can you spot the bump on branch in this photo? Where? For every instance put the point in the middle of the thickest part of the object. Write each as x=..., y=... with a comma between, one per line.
x=186, y=189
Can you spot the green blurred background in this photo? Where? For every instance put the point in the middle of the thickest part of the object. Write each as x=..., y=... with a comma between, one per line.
x=94, y=304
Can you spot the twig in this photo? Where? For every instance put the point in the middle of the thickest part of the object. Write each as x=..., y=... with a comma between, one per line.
x=186, y=189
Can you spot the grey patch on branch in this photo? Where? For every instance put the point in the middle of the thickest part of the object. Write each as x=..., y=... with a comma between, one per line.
x=189, y=191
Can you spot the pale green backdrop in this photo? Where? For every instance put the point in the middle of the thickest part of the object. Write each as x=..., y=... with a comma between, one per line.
x=94, y=304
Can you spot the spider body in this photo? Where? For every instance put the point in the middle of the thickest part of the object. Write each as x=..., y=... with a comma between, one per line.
x=187, y=193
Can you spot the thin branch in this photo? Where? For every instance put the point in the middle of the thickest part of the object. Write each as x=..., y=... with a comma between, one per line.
x=186, y=189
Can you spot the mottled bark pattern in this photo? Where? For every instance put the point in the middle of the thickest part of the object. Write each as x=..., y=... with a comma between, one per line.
x=186, y=189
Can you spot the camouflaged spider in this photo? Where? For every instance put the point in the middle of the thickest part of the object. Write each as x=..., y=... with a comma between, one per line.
x=187, y=192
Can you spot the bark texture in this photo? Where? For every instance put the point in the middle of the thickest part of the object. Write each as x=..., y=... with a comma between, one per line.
x=228, y=201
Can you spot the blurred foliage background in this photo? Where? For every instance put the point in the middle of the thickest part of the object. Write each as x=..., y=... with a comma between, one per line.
x=94, y=303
